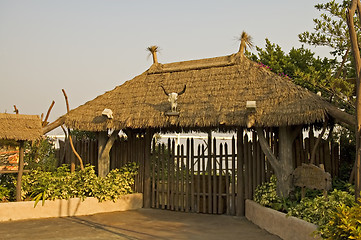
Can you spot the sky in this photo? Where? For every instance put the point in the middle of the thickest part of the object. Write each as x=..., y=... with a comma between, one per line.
x=88, y=47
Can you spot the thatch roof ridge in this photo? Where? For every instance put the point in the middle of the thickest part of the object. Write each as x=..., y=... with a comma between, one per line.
x=216, y=95
x=20, y=127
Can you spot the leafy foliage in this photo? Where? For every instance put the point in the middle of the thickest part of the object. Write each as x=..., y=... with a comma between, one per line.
x=62, y=184
x=344, y=223
x=266, y=195
x=319, y=209
x=330, y=29
x=40, y=155
x=304, y=69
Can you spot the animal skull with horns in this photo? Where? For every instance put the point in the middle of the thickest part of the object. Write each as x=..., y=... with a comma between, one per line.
x=172, y=97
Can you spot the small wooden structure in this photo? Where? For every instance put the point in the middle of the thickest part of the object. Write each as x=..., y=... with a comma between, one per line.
x=218, y=90
x=20, y=128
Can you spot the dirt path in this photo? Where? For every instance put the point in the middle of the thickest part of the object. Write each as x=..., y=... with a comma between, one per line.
x=136, y=224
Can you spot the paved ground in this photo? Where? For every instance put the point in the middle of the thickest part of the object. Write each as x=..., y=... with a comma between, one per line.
x=136, y=224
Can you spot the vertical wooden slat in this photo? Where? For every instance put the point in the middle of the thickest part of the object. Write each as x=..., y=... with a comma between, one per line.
x=204, y=173
x=246, y=167
x=153, y=157
x=250, y=170
x=157, y=181
x=259, y=164
x=254, y=162
x=228, y=207
x=220, y=174
x=233, y=188
x=209, y=183
x=199, y=175
x=214, y=206
x=177, y=182
x=186, y=185
x=168, y=161
x=192, y=179
x=182, y=179
x=162, y=159
x=173, y=176
x=240, y=174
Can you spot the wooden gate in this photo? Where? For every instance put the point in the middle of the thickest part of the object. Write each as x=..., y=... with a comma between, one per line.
x=188, y=178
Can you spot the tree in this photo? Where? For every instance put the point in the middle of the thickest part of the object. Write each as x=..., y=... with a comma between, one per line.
x=304, y=69
x=355, y=4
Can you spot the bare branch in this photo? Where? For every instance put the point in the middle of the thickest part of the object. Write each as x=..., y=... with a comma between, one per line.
x=44, y=123
x=267, y=149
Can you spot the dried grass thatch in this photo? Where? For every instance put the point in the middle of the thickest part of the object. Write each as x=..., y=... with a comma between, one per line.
x=20, y=127
x=216, y=95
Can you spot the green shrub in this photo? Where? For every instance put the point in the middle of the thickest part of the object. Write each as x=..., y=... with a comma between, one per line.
x=40, y=155
x=319, y=209
x=265, y=194
x=344, y=223
x=62, y=184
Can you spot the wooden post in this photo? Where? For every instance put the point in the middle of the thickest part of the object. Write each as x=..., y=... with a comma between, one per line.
x=147, y=165
x=20, y=171
x=240, y=174
x=103, y=166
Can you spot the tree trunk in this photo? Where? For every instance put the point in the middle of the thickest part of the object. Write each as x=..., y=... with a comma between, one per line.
x=103, y=163
x=284, y=173
x=283, y=165
x=356, y=53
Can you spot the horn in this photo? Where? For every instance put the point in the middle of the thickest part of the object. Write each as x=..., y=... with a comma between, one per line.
x=181, y=92
x=164, y=90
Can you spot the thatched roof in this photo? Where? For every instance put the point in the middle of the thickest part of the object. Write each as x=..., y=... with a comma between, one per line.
x=216, y=95
x=20, y=127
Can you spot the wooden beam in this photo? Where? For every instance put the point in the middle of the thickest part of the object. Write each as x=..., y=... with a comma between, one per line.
x=147, y=188
x=51, y=126
x=272, y=159
x=20, y=171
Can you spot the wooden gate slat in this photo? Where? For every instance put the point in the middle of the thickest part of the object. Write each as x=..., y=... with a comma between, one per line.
x=220, y=189
x=192, y=179
x=214, y=207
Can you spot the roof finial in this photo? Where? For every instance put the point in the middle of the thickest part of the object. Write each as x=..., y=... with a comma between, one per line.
x=246, y=41
x=153, y=50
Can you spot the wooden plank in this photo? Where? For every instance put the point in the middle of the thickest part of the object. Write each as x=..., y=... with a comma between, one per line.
x=20, y=170
x=168, y=161
x=173, y=177
x=250, y=170
x=204, y=173
x=187, y=200
x=327, y=157
x=209, y=167
x=240, y=209
x=233, y=183
x=214, y=176
x=254, y=162
x=146, y=172
x=163, y=180
x=177, y=182
x=209, y=183
x=246, y=167
x=228, y=207
x=220, y=182
x=182, y=179
x=157, y=180
x=199, y=175
x=259, y=164
x=153, y=158
x=192, y=179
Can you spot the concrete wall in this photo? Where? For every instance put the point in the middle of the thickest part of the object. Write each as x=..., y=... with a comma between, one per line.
x=287, y=228
x=65, y=208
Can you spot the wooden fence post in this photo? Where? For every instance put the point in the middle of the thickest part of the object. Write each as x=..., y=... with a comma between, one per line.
x=147, y=188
